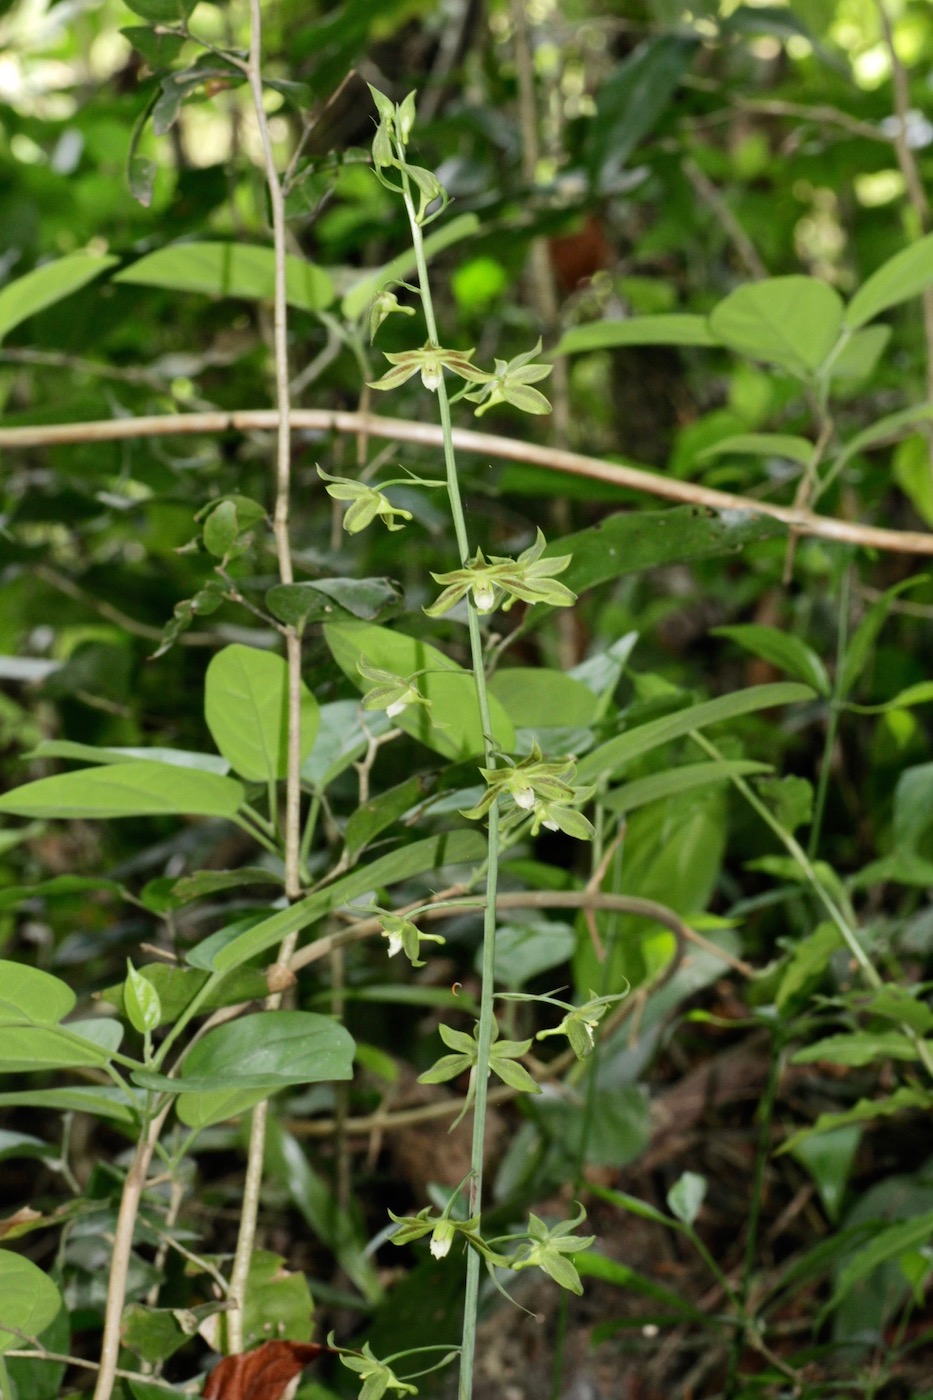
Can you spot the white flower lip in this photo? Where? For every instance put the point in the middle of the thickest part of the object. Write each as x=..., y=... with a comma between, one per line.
x=395, y=943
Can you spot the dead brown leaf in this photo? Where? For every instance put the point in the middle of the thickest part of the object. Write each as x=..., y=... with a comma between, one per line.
x=262, y=1374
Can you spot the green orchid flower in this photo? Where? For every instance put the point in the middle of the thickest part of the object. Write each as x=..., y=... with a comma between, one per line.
x=510, y=383
x=430, y=361
x=367, y=503
x=489, y=581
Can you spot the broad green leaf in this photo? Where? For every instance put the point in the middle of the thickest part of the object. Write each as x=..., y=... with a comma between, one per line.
x=540, y=698
x=383, y=810
x=525, y=950
x=786, y=445
x=631, y=101
x=792, y=322
x=25, y=1047
x=176, y=986
x=14, y=1145
x=673, y=854
x=905, y=275
x=155, y=1334
x=162, y=11
x=233, y=270
x=313, y=1198
x=278, y=1301
x=324, y=600
x=683, y=778
x=860, y=353
x=449, y=848
x=88, y=753
x=808, y=963
x=632, y=541
x=29, y=994
x=246, y=709
x=102, y=1101
x=450, y=724
x=239, y=1063
x=610, y=758
x=356, y=300
x=686, y=1196
x=142, y=789
x=782, y=649
x=829, y=1157
x=667, y=328
x=48, y=284
x=902, y=1004
x=29, y=1300
x=858, y=1048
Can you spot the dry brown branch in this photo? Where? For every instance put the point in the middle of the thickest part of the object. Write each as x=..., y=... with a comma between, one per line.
x=805, y=522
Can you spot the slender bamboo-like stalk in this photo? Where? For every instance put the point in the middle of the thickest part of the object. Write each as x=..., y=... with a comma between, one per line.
x=292, y=827
x=120, y=1258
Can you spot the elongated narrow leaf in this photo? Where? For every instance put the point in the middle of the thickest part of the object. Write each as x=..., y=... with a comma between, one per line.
x=671, y=781
x=782, y=649
x=904, y=276
x=610, y=758
x=141, y=789
x=89, y=753
x=30, y=994
x=313, y=1198
x=47, y=285
x=891, y=428
x=665, y=328
x=356, y=301
x=449, y=848
x=792, y=322
x=630, y=541
x=631, y=101
x=246, y=708
x=231, y=270
x=450, y=722
x=541, y=698
x=100, y=1100
x=794, y=449
x=280, y=1048
x=858, y=1048
x=29, y=1300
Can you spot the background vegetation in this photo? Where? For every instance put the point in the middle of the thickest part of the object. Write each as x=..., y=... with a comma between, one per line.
x=636, y=184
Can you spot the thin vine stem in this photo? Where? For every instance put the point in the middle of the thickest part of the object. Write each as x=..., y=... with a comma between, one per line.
x=486, y=1012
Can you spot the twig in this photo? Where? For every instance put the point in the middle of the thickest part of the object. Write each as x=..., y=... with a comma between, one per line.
x=710, y=195
x=292, y=834
x=484, y=444
x=120, y=1258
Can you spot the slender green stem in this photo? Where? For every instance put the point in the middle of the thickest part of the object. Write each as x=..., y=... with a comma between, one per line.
x=754, y=1212
x=832, y=725
x=486, y=1013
